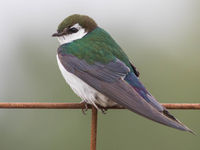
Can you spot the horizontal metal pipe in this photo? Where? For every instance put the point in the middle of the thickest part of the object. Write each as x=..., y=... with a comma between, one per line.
x=82, y=106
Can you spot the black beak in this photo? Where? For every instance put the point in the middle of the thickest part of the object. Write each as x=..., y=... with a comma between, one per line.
x=60, y=33
x=56, y=34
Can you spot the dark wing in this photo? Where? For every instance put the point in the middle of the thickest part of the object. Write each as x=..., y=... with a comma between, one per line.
x=137, y=73
x=109, y=79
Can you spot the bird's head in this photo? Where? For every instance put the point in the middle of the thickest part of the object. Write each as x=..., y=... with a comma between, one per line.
x=74, y=27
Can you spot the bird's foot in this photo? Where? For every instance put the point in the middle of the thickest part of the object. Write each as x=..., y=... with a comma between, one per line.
x=103, y=109
x=84, y=110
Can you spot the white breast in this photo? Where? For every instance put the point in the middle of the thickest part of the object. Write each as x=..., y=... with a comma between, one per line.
x=83, y=90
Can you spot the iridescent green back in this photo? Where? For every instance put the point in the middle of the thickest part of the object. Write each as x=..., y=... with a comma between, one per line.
x=96, y=46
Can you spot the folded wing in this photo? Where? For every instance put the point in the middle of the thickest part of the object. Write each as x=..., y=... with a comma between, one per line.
x=115, y=80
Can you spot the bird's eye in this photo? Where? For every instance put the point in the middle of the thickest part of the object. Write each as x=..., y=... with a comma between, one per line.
x=73, y=30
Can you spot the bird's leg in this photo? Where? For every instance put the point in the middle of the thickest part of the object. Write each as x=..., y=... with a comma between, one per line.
x=86, y=107
x=103, y=110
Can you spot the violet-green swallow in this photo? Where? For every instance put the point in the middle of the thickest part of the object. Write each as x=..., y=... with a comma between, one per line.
x=100, y=73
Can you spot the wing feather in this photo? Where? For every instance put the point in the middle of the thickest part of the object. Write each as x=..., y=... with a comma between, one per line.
x=108, y=79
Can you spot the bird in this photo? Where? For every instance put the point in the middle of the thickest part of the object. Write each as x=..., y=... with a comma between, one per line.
x=101, y=74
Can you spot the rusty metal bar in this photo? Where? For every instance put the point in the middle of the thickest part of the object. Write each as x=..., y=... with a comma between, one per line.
x=81, y=106
x=182, y=105
x=42, y=105
x=94, y=111
x=93, y=129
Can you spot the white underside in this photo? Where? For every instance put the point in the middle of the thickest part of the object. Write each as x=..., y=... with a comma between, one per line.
x=83, y=90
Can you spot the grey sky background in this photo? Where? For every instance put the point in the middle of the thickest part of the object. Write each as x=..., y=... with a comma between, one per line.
x=172, y=27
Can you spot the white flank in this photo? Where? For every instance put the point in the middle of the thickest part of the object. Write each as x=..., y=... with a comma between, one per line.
x=74, y=36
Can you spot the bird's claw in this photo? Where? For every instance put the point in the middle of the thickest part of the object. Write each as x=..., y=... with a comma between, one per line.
x=84, y=109
x=103, y=110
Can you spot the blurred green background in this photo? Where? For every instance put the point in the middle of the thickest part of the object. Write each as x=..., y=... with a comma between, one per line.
x=162, y=38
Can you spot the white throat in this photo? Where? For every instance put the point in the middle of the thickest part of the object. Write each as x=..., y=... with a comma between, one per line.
x=74, y=36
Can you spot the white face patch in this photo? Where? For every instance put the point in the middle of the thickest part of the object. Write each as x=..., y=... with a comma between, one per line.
x=74, y=36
